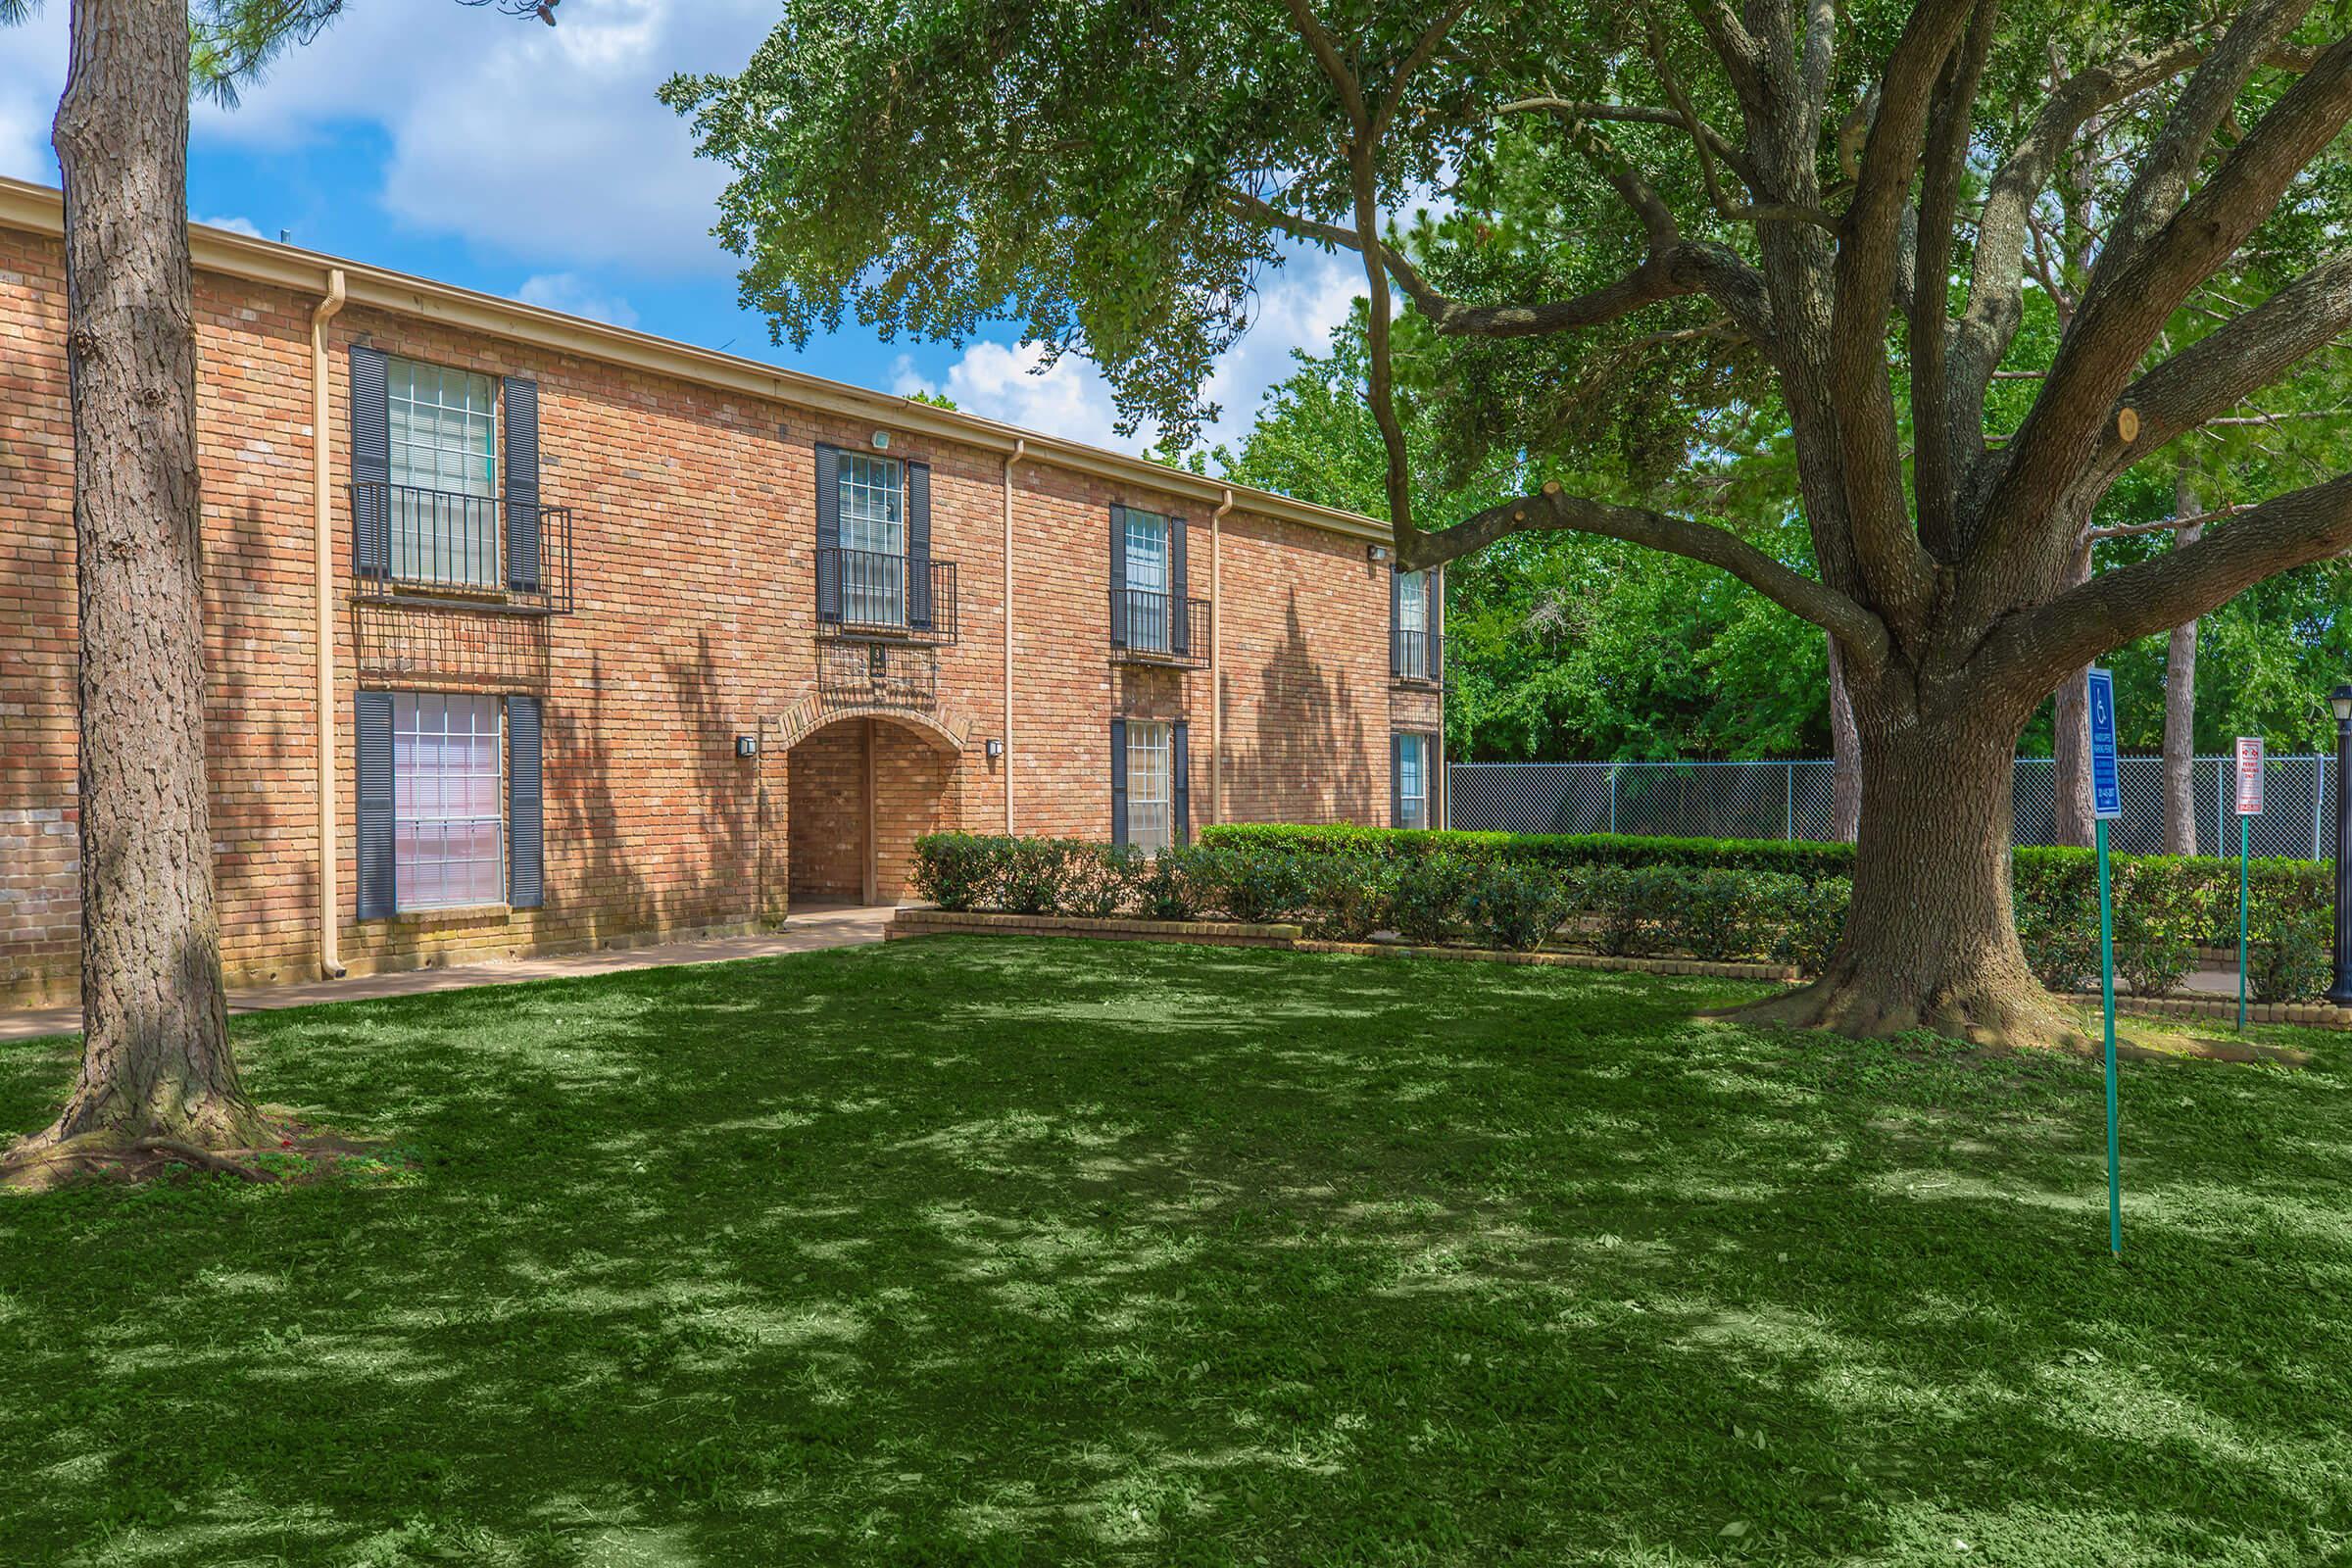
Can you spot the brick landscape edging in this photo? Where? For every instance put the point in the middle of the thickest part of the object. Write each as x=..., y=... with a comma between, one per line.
x=2312, y=1014
x=1786, y=974
x=1213, y=933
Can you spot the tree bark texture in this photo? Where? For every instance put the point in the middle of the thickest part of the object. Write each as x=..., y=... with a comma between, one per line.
x=2181, y=698
x=154, y=1057
x=1930, y=940
x=2070, y=745
x=1845, y=755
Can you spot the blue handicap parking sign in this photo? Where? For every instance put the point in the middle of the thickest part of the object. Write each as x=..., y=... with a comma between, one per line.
x=2106, y=786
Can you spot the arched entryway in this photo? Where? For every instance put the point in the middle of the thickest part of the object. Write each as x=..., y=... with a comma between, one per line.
x=862, y=788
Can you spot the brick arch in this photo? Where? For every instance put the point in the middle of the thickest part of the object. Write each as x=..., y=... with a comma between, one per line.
x=945, y=729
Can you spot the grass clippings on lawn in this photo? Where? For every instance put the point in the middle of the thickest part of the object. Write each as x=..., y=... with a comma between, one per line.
x=1001, y=1251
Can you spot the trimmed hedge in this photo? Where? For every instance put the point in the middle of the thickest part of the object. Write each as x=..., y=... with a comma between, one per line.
x=1716, y=899
x=1347, y=894
x=1794, y=856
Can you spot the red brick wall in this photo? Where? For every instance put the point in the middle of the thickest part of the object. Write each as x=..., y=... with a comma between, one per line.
x=827, y=780
x=694, y=552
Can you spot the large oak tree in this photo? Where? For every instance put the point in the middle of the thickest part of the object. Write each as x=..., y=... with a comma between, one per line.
x=1835, y=195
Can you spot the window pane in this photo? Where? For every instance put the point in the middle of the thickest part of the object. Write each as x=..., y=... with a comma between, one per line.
x=1151, y=773
x=449, y=828
x=444, y=429
x=874, y=582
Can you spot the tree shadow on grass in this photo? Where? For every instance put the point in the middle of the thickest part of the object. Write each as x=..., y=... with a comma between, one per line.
x=1056, y=1251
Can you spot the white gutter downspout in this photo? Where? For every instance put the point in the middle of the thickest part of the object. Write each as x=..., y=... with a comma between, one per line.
x=330, y=959
x=1216, y=659
x=1444, y=779
x=1020, y=449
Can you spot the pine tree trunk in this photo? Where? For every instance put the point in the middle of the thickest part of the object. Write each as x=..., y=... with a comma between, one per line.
x=2180, y=699
x=155, y=1055
x=1930, y=940
x=1845, y=753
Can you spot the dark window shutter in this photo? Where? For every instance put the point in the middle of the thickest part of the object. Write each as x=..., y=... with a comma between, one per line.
x=378, y=896
x=918, y=545
x=828, y=533
x=523, y=574
x=1179, y=631
x=1395, y=623
x=1118, y=579
x=1181, y=781
x=1118, y=781
x=370, y=464
x=1397, y=782
x=526, y=871
x=1429, y=623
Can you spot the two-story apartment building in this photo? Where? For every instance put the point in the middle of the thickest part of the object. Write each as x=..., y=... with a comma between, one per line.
x=529, y=633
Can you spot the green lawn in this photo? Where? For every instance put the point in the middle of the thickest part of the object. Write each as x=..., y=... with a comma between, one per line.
x=963, y=1251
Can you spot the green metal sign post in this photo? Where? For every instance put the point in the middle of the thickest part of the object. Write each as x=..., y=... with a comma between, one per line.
x=2249, y=804
x=2106, y=805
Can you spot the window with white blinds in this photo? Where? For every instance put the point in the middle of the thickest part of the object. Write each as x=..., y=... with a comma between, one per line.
x=447, y=784
x=1150, y=785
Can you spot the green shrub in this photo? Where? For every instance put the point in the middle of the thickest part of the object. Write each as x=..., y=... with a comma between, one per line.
x=1811, y=917
x=1709, y=913
x=1426, y=898
x=1102, y=879
x=1036, y=873
x=1172, y=885
x=1512, y=906
x=959, y=870
x=1343, y=896
x=2291, y=955
x=1255, y=885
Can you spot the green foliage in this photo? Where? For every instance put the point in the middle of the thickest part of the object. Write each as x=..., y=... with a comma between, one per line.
x=2291, y=954
x=1513, y=906
x=959, y=871
x=1427, y=897
x=1255, y=885
x=1798, y=857
x=1174, y=884
x=1344, y=897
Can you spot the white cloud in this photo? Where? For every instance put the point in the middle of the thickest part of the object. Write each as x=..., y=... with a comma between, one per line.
x=1001, y=381
x=1298, y=306
x=542, y=143
x=235, y=225
x=32, y=72
x=576, y=295
x=536, y=142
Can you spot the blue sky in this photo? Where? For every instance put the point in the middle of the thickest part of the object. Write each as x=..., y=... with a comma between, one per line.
x=532, y=162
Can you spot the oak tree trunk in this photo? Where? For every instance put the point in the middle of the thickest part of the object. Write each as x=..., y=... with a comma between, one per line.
x=1930, y=938
x=2180, y=700
x=155, y=1055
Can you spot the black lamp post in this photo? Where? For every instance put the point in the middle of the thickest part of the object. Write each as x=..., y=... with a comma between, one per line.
x=2340, y=992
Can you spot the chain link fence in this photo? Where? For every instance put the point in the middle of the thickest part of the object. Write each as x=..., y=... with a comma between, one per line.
x=1791, y=801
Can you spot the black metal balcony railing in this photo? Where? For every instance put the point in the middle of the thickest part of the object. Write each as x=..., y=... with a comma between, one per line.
x=871, y=593
x=1417, y=656
x=877, y=674
x=411, y=545
x=1156, y=629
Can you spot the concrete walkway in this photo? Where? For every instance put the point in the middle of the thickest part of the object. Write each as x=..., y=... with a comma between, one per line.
x=808, y=931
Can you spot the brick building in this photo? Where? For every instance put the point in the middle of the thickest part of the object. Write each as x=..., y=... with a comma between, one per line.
x=526, y=633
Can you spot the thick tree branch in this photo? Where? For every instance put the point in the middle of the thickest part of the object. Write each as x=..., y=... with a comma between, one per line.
x=2069, y=631
x=1553, y=510
x=2166, y=168
x=1897, y=569
x=2202, y=383
x=1935, y=472
x=2116, y=326
x=1995, y=292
